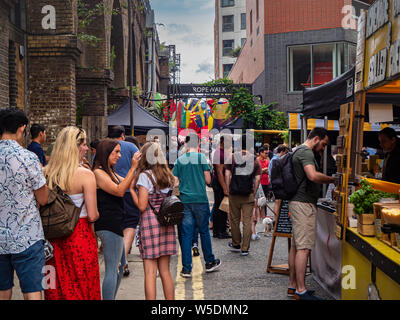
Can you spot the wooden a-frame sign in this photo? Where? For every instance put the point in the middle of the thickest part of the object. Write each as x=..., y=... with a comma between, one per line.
x=282, y=228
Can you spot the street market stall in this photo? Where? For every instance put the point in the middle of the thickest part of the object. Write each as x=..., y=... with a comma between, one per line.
x=370, y=251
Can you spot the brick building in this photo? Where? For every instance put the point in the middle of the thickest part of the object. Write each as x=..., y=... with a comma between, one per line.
x=48, y=70
x=292, y=45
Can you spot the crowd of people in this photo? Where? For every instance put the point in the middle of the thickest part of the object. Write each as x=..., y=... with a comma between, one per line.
x=120, y=189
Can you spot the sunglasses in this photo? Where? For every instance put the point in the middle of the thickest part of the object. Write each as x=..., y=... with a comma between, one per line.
x=79, y=133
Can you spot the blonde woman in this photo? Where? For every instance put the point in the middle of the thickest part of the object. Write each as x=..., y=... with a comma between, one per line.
x=157, y=243
x=75, y=257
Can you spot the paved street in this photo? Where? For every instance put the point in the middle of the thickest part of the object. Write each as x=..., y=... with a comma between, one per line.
x=238, y=277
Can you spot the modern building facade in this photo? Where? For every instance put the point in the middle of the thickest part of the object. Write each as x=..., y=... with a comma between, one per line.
x=229, y=34
x=292, y=45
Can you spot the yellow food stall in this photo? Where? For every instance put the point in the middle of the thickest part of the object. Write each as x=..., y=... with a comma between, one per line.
x=370, y=249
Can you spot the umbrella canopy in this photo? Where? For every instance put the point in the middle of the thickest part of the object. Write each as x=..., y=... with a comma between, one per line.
x=143, y=120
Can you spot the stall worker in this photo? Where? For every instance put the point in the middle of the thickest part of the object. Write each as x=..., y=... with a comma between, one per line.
x=391, y=145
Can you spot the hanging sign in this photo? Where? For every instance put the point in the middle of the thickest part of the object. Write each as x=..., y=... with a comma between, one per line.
x=382, y=44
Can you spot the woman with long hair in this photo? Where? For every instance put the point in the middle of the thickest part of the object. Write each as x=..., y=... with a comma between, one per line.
x=157, y=243
x=75, y=257
x=110, y=191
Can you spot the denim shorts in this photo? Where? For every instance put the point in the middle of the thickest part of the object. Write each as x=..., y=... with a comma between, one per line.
x=28, y=265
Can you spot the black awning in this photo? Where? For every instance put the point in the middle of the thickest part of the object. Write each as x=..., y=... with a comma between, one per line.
x=143, y=120
x=326, y=100
x=234, y=124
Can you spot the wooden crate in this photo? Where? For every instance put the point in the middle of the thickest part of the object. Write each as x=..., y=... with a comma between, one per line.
x=366, y=218
x=367, y=230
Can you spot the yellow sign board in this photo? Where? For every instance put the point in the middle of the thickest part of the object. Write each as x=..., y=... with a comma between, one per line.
x=382, y=46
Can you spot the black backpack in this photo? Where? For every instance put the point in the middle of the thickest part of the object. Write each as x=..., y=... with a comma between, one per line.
x=242, y=184
x=282, y=179
x=171, y=209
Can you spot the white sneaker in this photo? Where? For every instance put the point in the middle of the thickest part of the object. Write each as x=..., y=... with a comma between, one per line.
x=258, y=237
x=254, y=237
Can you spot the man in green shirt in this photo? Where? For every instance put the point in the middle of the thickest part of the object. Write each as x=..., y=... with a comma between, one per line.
x=303, y=208
x=193, y=172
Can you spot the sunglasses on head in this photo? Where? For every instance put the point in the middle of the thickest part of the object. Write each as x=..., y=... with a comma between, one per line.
x=79, y=133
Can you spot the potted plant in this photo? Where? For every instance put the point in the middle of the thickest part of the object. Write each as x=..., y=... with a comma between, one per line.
x=363, y=200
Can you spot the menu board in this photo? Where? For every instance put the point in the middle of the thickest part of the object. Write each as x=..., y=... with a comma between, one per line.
x=284, y=224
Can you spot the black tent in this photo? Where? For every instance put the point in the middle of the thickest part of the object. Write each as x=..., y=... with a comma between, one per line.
x=143, y=120
x=326, y=100
x=234, y=124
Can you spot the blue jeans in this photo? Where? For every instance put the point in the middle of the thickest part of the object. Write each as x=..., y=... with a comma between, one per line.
x=195, y=215
x=114, y=253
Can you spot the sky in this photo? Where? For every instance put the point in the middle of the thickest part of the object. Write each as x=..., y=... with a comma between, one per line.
x=189, y=25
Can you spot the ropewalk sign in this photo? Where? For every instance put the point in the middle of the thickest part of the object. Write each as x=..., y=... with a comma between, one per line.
x=378, y=45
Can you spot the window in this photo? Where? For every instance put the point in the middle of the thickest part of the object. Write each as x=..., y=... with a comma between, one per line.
x=226, y=69
x=228, y=46
x=257, y=10
x=251, y=22
x=243, y=21
x=242, y=42
x=322, y=63
x=227, y=3
x=314, y=65
x=227, y=23
x=300, y=68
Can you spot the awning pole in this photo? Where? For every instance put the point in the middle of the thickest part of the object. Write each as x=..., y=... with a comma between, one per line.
x=325, y=160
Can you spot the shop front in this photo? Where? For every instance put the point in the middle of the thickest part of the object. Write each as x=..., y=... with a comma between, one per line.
x=357, y=252
x=371, y=248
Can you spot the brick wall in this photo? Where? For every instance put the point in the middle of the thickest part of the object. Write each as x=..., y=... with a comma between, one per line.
x=302, y=15
x=4, y=86
x=52, y=65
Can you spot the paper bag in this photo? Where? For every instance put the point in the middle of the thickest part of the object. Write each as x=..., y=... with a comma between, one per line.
x=224, y=206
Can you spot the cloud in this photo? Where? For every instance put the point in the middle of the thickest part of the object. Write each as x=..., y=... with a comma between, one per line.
x=205, y=67
x=179, y=28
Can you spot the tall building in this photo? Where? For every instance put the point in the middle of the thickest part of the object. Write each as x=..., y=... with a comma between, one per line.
x=292, y=45
x=229, y=34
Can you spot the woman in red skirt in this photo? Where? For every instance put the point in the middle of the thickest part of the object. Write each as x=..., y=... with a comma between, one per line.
x=156, y=243
x=75, y=259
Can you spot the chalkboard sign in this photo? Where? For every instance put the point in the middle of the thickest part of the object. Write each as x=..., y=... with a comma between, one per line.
x=284, y=224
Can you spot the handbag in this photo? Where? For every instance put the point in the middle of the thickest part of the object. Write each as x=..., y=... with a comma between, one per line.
x=60, y=215
x=171, y=209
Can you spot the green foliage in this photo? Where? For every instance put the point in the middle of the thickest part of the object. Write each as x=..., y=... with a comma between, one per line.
x=87, y=14
x=364, y=198
x=113, y=55
x=236, y=52
x=269, y=118
x=79, y=108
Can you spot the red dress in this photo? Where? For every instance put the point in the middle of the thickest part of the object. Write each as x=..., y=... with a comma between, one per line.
x=264, y=177
x=76, y=264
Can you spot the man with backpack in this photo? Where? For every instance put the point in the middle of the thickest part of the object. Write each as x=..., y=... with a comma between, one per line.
x=242, y=178
x=303, y=209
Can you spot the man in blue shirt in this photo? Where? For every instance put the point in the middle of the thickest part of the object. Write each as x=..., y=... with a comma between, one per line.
x=38, y=134
x=132, y=213
x=193, y=173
